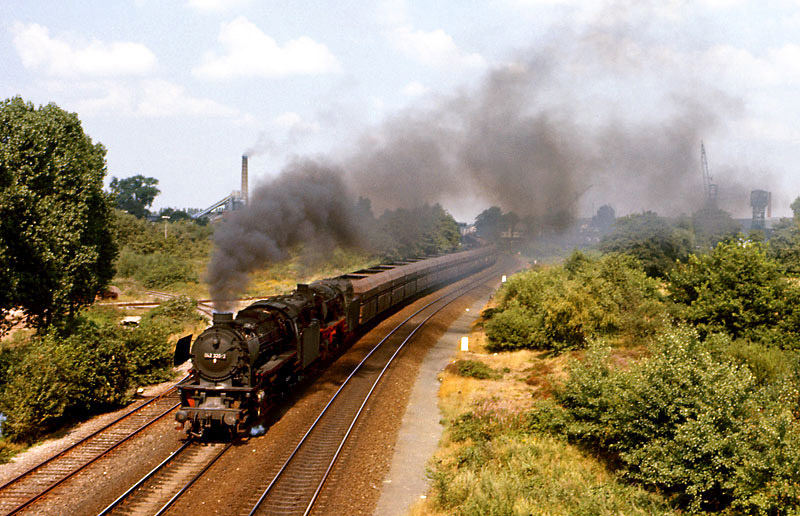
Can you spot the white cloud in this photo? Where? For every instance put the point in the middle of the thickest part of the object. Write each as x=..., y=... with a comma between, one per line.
x=778, y=66
x=163, y=98
x=293, y=122
x=249, y=53
x=414, y=89
x=215, y=5
x=55, y=57
x=149, y=98
x=434, y=48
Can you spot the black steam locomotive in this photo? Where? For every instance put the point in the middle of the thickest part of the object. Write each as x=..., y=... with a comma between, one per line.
x=240, y=365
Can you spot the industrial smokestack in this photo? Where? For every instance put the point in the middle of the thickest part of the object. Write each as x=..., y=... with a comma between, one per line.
x=244, y=178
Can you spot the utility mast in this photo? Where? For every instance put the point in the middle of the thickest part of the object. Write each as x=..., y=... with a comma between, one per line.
x=709, y=187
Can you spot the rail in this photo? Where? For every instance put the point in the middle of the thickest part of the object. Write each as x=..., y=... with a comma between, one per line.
x=31, y=485
x=295, y=473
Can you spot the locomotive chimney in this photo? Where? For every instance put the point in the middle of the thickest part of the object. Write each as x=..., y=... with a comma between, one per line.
x=244, y=179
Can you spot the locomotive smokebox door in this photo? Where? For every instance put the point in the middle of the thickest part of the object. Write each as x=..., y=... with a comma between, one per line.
x=309, y=344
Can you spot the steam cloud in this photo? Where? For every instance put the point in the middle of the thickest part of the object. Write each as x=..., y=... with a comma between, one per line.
x=307, y=204
x=604, y=114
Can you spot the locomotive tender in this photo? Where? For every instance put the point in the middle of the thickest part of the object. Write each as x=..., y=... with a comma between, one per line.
x=240, y=365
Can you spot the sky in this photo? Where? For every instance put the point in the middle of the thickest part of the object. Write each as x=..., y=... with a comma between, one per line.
x=180, y=89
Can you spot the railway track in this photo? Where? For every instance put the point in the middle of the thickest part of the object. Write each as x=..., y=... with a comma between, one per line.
x=296, y=487
x=24, y=490
x=155, y=493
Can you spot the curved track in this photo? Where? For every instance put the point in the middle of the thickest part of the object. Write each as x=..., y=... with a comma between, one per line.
x=297, y=485
x=30, y=486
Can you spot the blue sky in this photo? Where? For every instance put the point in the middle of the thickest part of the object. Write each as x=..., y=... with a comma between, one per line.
x=178, y=90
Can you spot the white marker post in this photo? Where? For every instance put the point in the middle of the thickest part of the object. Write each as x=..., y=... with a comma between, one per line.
x=464, y=343
x=503, y=279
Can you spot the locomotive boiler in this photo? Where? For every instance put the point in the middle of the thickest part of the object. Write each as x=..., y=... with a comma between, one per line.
x=241, y=364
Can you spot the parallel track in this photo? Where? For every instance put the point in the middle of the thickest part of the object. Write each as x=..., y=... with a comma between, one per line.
x=297, y=485
x=155, y=493
x=22, y=491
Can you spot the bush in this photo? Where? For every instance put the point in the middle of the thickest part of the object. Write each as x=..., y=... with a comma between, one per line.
x=565, y=307
x=738, y=290
x=85, y=367
x=64, y=375
x=493, y=466
x=155, y=270
x=655, y=242
x=691, y=420
x=475, y=369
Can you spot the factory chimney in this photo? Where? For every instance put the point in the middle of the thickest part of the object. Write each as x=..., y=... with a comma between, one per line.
x=244, y=179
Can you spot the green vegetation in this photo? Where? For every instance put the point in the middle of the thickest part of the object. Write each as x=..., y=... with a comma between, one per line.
x=56, y=244
x=738, y=290
x=655, y=242
x=475, y=369
x=93, y=364
x=693, y=420
x=499, y=468
x=156, y=262
x=134, y=194
x=565, y=307
x=425, y=230
x=710, y=416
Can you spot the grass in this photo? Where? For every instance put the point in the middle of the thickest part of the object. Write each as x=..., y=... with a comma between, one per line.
x=490, y=463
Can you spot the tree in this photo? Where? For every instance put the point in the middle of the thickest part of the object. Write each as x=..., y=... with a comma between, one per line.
x=56, y=245
x=739, y=290
x=174, y=215
x=795, y=206
x=489, y=223
x=712, y=225
x=135, y=194
x=651, y=239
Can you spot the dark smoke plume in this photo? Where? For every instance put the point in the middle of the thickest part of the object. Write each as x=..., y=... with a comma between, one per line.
x=307, y=204
x=601, y=115
x=604, y=115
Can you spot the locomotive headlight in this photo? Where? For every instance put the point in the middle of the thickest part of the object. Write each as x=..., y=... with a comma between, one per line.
x=229, y=419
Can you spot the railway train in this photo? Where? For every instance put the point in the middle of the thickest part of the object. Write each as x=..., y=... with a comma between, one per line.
x=241, y=364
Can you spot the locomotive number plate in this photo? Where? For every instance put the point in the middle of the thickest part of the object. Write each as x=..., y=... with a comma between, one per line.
x=215, y=356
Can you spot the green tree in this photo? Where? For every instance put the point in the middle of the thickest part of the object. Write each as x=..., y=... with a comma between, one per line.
x=739, y=290
x=56, y=245
x=795, y=206
x=651, y=239
x=712, y=225
x=135, y=194
x=489, y=223
x=419, y=231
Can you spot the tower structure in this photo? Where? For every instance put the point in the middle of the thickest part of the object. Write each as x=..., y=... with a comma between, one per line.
x=709, y=186
x=760, y=201
x=244, y=179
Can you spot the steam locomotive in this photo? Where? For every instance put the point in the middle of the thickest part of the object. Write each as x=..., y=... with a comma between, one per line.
x=241, y=365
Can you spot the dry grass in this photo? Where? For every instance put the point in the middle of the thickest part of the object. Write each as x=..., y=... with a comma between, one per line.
x=515, y=472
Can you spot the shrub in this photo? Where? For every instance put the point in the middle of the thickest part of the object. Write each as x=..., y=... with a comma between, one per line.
x=691, y=420
x=494, y=467
x=738, y=290
x=64, y=375
x=475, y=369
x=155, y=270
x=565, y=307
x=84, y=367
x=651, y=239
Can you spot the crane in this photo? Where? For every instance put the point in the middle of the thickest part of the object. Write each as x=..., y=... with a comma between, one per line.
x=709, y=187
